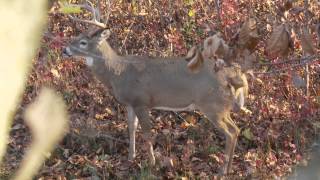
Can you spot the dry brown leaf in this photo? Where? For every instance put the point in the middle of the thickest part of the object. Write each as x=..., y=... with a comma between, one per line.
x=287, y=5
x=279, y=41
x=248, y=36
x=306, y=41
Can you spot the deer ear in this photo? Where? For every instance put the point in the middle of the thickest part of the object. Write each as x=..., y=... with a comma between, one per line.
x=196, y=62
x=191, y=53
x=105, y=34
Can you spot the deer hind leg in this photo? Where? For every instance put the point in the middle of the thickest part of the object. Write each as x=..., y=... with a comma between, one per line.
x=225, y=124
x=231, y=141
x=132, y=126
x=145, y=123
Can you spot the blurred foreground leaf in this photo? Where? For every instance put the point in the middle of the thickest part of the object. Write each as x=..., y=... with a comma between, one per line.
x=48, y=121
x=21, y=25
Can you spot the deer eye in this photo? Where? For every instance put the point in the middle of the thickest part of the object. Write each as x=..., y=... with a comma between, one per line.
x=83, y=43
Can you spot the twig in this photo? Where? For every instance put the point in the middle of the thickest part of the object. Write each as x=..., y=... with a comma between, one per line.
x=310, y=60
x=307, y=73
x=218, y=8
x=125, y=39
x=291, y=61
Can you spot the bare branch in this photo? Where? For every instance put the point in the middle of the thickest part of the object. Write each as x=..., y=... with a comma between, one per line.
x=291, y=61
x=304, y=61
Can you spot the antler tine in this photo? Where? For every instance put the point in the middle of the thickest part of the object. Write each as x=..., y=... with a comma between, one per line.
x=108, y=12
x=95, y=13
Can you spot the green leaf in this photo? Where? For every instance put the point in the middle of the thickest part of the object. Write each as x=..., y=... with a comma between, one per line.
x=66, y=8
x=247, y=134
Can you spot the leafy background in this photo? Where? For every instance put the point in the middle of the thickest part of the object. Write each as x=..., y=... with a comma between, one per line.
x=275, y=137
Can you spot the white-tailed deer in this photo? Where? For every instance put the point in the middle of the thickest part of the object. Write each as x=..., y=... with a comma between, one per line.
x=215, y=48
x=142, y=83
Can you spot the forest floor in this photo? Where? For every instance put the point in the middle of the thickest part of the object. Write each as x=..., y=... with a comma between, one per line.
x=273, y=139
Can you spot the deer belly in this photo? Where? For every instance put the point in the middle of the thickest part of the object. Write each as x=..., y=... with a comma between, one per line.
x=190, y=107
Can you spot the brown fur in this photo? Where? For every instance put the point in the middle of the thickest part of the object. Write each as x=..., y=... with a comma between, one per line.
x=162, y=83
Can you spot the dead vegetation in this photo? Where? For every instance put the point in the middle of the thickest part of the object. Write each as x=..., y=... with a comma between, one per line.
x=284, y=119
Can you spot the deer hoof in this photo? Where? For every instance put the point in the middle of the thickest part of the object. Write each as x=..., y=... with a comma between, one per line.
x=131, y=156
x=152, y=161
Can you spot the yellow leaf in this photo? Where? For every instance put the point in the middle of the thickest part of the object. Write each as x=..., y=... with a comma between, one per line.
x=191, y=12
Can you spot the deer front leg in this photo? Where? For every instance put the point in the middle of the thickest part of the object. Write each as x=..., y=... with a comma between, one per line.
x=145, y=123
x=240, y=98
x=132, y=126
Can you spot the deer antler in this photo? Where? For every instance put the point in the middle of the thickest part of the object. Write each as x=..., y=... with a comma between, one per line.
x=95, y=15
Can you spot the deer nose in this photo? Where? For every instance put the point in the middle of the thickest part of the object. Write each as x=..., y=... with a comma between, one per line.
x=66, y=52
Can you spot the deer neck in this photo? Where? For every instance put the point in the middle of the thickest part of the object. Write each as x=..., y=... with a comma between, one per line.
x=113, y=61
x=107, y=51
x=107, y=65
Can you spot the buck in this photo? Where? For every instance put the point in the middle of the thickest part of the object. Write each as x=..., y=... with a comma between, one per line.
x=143, y=83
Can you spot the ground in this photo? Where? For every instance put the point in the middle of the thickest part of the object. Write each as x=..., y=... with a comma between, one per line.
x=274, y=138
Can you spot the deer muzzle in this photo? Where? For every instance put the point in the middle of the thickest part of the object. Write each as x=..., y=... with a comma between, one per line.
x=66, y=52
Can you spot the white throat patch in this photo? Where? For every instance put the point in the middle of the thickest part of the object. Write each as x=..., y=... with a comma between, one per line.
x=89, y=61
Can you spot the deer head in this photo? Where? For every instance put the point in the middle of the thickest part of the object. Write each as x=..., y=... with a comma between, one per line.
x=88, y=44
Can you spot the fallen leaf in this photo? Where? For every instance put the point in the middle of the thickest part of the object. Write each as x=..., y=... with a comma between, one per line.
x=279, y=41
x=248, y=134
x=306, y=41
x=248, y=35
